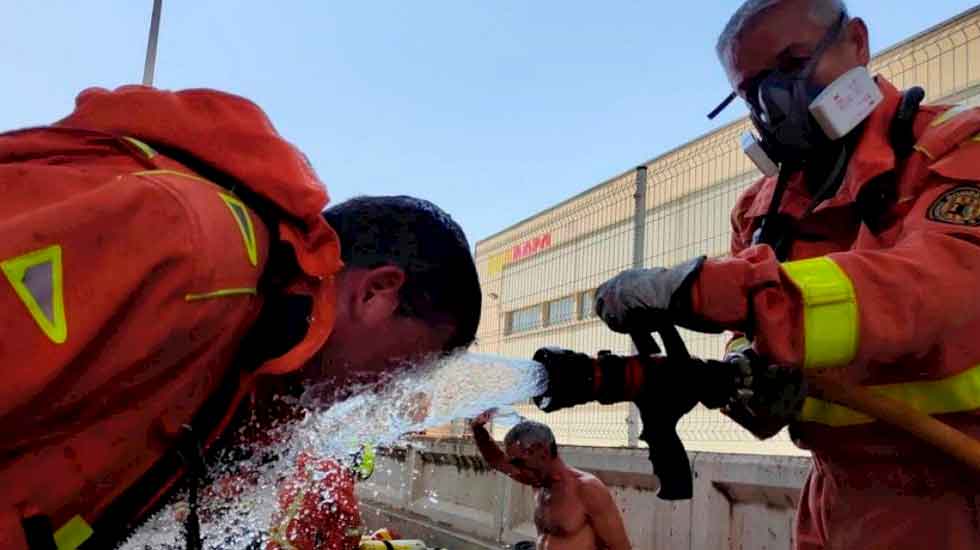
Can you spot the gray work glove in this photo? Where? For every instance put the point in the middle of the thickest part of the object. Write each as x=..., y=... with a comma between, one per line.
x=768, y=397
x=643, y=300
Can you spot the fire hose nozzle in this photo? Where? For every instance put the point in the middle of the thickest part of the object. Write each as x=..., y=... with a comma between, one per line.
x=664, y=388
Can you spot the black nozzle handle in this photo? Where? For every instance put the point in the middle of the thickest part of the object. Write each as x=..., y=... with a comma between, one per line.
x=673, y=343
x=645, y=343
x=667, y=453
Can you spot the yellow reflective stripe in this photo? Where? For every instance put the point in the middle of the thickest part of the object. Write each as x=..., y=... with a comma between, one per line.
x=220, y=294
x=924, y=151
x=146, y=149
x=163, y=172
x=958, y=393
x=240, y=212
x=738, y=345
x=365, y=465
x=830, y=313
x=16, y=270
x=72, y=534
x=831, y=414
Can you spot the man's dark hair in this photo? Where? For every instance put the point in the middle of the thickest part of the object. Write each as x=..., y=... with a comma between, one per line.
x=529, y=432
x=441, y=284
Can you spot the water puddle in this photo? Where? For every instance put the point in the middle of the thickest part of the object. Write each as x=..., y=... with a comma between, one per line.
x=239, y=505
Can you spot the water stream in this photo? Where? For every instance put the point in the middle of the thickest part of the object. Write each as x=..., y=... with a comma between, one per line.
x=418, y=398
x=457, y=387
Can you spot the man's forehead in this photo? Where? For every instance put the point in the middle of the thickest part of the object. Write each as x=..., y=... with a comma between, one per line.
x=783, y=29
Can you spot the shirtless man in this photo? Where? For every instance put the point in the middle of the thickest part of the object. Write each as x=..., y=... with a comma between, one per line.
x=572, y=509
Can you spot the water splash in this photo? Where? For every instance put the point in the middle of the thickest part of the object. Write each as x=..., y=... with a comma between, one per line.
x=507, y=417
x=415, y=399
x=460, y=386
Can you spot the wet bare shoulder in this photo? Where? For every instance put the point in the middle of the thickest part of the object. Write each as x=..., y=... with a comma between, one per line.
x=582, y=475
x=589, y=484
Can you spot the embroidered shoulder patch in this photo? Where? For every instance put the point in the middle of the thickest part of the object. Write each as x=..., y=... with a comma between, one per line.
x=958, y=206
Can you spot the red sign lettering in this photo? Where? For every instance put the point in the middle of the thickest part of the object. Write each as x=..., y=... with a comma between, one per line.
x=531, y=247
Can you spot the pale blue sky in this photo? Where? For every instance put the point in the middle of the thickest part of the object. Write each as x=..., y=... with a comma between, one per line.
x=493, y=109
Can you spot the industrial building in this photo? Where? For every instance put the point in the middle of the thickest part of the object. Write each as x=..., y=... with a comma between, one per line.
x=539, y=276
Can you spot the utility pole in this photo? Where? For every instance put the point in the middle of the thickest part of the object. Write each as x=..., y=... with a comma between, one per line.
x=151, y=44
x=639, y=248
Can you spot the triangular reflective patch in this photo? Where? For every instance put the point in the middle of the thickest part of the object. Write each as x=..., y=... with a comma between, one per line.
x=37, y=279
x=240, y=212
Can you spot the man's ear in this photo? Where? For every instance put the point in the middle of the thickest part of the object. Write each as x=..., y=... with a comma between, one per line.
x=857, y=37
x=377, y=291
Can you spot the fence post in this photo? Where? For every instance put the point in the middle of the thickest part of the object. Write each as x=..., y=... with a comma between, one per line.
x=639, y=246
x=411, y=489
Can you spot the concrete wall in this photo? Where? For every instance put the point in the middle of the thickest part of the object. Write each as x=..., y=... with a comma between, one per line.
x=442, y=492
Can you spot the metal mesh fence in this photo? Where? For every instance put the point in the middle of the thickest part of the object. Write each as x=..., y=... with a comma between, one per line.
x=538, y=271
x=944, y=61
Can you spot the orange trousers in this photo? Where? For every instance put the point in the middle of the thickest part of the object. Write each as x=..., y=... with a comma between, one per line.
x=838, y=516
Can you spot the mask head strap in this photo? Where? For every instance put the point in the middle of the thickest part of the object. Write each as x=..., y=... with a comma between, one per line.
x=828, y=39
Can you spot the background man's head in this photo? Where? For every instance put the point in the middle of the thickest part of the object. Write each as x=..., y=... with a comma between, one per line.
x=767, y=35
x=532, y=451
x=409, y=286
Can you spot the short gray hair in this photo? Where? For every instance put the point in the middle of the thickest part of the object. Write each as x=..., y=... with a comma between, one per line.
x=529, y=432
x=822, y=12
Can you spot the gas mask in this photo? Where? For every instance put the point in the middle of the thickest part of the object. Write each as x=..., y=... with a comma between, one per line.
x=795, y=117
x=780, y=111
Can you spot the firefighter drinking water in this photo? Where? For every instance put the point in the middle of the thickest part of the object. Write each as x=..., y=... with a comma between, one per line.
x=168, y=274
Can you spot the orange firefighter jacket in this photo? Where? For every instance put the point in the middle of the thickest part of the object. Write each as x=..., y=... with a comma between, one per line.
x=132, y=261
x=318, y=509
x=895, y=308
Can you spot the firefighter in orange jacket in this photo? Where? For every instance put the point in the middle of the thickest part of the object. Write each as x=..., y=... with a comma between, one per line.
x=859, y=257
x=167, y=268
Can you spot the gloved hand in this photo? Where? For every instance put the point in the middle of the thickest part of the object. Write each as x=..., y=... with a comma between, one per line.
x=767, y=396
x=642, y=300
